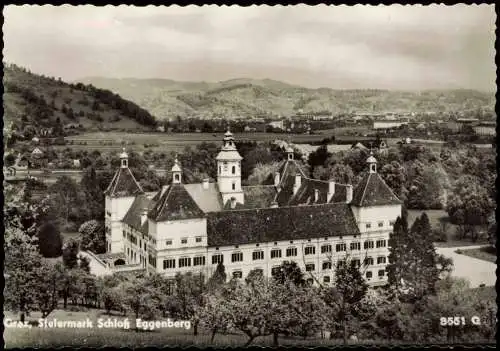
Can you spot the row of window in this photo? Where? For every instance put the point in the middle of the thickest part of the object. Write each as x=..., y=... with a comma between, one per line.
x=292, y=251
x=380, y=224
x=326, y=279
x=184, y=262
x=198, y=239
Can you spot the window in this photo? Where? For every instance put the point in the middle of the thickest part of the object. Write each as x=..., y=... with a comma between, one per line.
x=233, y=170
x=291, y=251
x=170, y=263
x=368, y=261
x=326, y=279
x=327, y=265
x=184, y=241
x=381, y=243
x=340, y=263
x=258, y=255
x=381, y=273
x=326, y=248
x=369, y=274
x=380, y=224
x=356, y=263
x=177, y=177
x=310, y=267
x=368, y=225
x=275, y=253
x=237, y=274
x=355, y=246
x=237, y=257
x=218, y=258
x=124, y=234
x=340, y=247
x=368, y=244
x=199, y=261
x=198, y=239
x=391, y=223
x=152, y=260
x=225, y=166
x=380, y=259
x=309, y=250
x=310, y=281
x=185, y=262
x=233, y=186
x=168, y=242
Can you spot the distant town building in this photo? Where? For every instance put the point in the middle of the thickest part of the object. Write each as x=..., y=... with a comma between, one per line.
x=277, y=124
x=389, y=123
x=35, y=140
x=36, y=152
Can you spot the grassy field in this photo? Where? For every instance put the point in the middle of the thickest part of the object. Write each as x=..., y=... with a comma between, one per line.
x=486, y=253
x=100, y=337
x=116, y=337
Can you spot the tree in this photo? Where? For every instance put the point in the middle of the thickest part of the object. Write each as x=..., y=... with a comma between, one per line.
x=394, y=175
x=289, y=271
x=215, y=314
x=22, y=262
x=65, y=197
x=50, y=240
x=46, y=294
x=469, y=205
x=10, y=160
x=93, y=193
x=414, y=266
x=93, y=237
x=318, y=157
x=218, y=279
x=140, y=298
x=339, y=172
x=70, y=254
x=189, y=297
x=346, y=296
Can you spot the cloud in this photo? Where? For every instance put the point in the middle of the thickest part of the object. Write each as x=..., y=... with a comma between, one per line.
x=395, y=47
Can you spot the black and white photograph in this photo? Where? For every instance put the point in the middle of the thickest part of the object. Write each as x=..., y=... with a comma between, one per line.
x=228, y=176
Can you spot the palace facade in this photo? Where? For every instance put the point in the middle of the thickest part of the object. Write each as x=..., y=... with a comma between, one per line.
x=193, y=227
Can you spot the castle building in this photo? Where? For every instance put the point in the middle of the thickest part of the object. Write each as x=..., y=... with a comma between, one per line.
x=192, y=227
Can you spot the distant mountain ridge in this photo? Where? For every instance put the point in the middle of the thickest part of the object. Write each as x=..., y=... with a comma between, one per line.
x=246, y=97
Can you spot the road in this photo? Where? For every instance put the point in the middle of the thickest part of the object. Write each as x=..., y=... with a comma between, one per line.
x=475, y=270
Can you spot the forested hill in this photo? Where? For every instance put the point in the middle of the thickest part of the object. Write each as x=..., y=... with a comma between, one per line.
x=250, y=97
x=35, y=101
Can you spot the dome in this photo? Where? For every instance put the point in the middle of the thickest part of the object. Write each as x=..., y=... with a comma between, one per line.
x=371, y=159
x=123, y=154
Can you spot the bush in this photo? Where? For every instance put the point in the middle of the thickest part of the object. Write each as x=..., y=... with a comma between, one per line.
x=49, y=240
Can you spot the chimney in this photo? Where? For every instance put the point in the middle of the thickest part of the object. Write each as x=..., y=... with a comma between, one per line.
x=144, y=215
x=348, y=197
x=205, y=183
x=296, y=186
x=331, y=190
x=276, y=179
x=316, y=195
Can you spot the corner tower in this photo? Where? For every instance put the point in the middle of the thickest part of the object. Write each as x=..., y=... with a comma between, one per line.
x=229, y=171
x=120, y=195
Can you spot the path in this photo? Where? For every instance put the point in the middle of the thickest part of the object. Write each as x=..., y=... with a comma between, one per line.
x=475, y=270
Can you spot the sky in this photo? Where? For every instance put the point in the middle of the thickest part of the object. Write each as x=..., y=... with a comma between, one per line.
x=343, y=47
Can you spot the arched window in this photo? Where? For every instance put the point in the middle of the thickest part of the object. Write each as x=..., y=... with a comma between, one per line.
x=177, y=177
x=233, y=169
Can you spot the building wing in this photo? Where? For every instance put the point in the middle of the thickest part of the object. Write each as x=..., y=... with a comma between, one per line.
x=281, y=223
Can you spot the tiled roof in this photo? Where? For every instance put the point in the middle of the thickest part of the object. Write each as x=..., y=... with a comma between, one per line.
x=133, y=215
x=209, y=200
x=123, y=184
x=373, y=191
x=306, y=193
x=282, y=223
x=175, y=203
